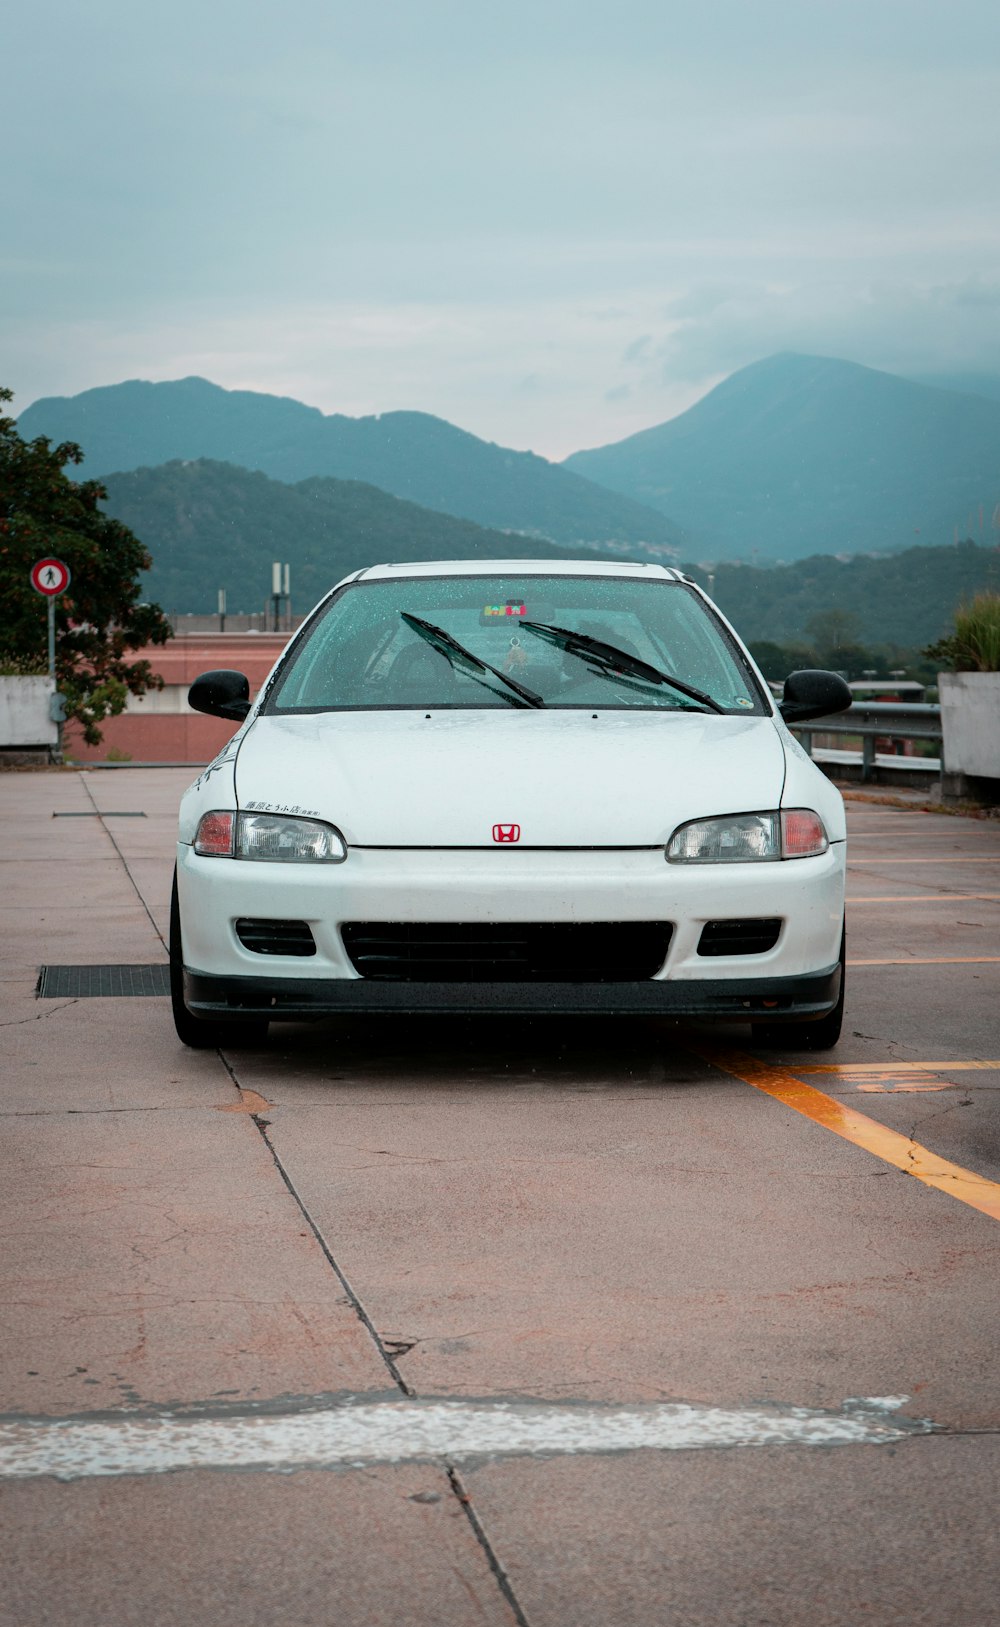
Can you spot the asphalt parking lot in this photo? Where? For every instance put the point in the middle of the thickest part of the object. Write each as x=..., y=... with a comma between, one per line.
x=572, y=1324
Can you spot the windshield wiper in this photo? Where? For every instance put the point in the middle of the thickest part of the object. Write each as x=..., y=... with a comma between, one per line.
x=464, y=659
x=608, y=660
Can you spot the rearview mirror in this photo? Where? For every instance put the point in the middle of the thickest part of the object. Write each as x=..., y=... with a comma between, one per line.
x=813, y=693
x=221, y=694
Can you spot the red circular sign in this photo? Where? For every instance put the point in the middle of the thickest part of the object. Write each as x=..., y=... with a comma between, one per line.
x=50, y=576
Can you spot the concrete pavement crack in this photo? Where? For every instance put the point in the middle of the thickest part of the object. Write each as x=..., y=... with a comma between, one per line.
x=124, y=862
x=40, y=1016
x=359, y=1310
x=89, y=1112
x=503, y=1581
x=940, y=1112
x=388, y=1357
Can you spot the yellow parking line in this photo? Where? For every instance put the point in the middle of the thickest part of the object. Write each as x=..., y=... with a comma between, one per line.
x=974, y=1066
x=928, y=858
x=929, y=898
x=932, y=960
x=951, y=834
x=893, y=1148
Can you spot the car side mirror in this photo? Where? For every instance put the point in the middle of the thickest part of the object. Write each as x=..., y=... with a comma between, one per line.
x=813, y=693
x=221, y=694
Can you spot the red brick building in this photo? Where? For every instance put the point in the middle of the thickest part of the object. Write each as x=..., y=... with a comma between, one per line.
x=160, y=727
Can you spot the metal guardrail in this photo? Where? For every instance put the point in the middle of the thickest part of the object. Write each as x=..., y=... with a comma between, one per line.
x=874, y=721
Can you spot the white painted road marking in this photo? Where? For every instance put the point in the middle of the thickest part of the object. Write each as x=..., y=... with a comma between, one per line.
x=396, y=1431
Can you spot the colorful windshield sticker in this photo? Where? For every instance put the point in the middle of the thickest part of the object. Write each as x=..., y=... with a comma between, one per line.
x=741, y=700
x=495, y=612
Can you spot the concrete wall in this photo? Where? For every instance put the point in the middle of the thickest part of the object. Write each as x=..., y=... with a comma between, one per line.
x=970, y=721
x=24, y=712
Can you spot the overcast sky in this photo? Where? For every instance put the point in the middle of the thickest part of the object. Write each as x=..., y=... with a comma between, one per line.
x=550, y=223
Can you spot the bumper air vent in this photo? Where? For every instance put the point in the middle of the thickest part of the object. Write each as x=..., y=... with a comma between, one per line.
x=739, y=937
x=507, y=952
x=276, y=937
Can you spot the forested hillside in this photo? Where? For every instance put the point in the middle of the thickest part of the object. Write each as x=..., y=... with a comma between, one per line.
x=906, y=599
x=211, y=525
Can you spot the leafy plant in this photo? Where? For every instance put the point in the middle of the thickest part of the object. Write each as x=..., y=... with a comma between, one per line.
x=22, y=666
x=974, y=646
x=99, y=620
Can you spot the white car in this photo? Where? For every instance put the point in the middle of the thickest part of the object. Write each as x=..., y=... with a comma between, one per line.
x=520, y=787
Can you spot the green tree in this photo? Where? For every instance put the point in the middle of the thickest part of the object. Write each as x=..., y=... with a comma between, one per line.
x=776, y=661
x=99, y=620
x=833, y=631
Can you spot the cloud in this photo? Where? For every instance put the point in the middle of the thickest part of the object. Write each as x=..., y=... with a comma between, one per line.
x=893, y=324
x=541, y=375
x=704, y=300
x=639, y=350
x=549, y=374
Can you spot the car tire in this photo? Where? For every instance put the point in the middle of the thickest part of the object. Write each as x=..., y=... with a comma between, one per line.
x=820, y=1033
x=202, y=1033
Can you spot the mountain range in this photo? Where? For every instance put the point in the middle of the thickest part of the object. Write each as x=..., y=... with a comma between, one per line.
x=987, y=384
x=798, y=455
x=788, y=458
x=411, y=455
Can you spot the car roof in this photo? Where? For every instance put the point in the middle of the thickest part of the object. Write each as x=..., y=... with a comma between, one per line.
x=517, y=568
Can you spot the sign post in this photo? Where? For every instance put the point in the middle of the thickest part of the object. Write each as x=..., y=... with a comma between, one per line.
x=281, y=591
x=51, y=577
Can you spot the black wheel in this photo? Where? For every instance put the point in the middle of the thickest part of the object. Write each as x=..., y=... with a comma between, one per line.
x=819, y=1034
x=202, y=1034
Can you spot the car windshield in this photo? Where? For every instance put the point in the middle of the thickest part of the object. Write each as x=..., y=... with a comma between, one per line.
x=547, y=641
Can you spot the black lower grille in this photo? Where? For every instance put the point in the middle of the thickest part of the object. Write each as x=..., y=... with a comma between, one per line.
x=276, y=937
x=739, y=937
x=507, y=952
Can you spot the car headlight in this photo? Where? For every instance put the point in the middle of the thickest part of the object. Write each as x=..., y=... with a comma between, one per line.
x=278, y=838
x=788, y=833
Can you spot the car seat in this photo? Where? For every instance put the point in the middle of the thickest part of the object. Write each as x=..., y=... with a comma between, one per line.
x=420, y=676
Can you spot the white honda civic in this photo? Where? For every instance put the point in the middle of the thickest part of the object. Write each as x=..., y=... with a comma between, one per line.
x=519, y=787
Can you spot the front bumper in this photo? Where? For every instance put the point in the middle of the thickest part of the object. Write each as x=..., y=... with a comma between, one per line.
x=770, y=999
x=798, y=978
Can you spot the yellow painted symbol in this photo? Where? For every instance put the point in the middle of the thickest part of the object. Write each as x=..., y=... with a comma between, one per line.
x=884, y=1078
x=968, y=1065
x=886, y=1083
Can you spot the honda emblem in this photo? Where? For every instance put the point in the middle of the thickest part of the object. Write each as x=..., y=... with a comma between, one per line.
x=506, y=833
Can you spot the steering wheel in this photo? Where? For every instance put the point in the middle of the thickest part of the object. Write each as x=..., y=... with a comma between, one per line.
x=600, y=689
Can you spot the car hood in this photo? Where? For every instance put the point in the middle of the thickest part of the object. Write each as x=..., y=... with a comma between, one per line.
x=568, y=779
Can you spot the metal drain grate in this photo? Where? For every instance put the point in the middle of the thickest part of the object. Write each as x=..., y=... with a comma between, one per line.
x=95, y=813
x=101, y=982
